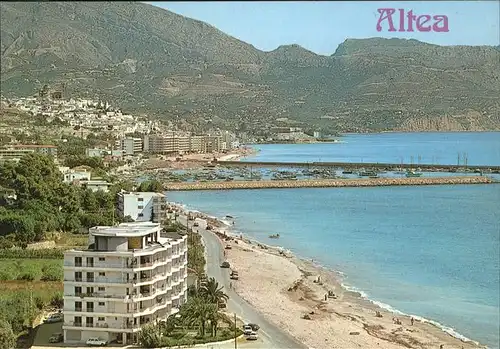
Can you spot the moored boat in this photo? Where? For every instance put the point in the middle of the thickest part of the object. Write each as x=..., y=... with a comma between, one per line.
x=413, y=174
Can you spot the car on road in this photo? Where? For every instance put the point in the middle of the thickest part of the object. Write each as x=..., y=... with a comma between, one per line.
x=96, y=342
x=254, y=327
x=225, y=264
x=196, y=224
x=247, y=330
x=56, y=338
x=252, y=336
x=58, y=317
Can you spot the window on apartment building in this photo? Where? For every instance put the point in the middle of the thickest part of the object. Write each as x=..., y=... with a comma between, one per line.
x=102, y=304
x=140, y=215
x=78, y=290
x=78, y=261
x=90, y=290
x=102, y=259
x=140, y=207
x=101, y=289
x=101, y=319
x=78, y=276
x=78, y=306
x=102, y=274
x=140, y=199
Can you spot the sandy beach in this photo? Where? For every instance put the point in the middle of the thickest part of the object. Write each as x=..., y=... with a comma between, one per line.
x=194, y=161
x=286, y=291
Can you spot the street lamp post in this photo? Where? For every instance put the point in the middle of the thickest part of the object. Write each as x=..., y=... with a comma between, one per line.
x=235, y=336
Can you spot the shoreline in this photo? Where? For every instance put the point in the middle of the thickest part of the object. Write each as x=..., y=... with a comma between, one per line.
x=347, y=321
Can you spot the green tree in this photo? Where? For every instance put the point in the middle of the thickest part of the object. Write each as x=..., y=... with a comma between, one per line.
x=212, y=293
x=198, y=311
x=7, y=337
x=22, y=226
x=150, y=336
x=151, y=186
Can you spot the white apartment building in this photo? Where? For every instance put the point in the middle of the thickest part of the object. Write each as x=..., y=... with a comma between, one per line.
x=130, y=146
x=171, y=143
x=130, y=275
x=143, y=206
x=71, y=175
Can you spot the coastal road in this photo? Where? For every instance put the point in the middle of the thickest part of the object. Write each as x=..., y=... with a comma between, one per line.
x=270, y=334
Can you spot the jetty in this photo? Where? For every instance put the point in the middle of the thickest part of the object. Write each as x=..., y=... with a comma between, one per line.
x=359, y=165
x=327, y=183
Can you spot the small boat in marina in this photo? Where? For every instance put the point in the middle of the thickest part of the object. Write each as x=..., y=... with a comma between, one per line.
x=367, y=173
x=413, y=174
x=274, y=236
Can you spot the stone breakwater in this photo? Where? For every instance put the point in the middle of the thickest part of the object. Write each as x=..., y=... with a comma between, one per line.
x=327, y=183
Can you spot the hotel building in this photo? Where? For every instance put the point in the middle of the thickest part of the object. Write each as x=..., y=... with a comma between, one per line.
x=130, y=275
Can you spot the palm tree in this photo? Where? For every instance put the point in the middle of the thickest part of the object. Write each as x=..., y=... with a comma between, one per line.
x=198, y=311
x=212, y=293
x=214, y=318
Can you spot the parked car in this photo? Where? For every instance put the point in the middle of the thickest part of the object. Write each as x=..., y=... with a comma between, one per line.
x=252, y=336
x=54, y=318
x=225, y=264
x=96, y=342
x=56, y=338
x=254, y=327
x=234, y=275
x=196, y=224
x=247, y=330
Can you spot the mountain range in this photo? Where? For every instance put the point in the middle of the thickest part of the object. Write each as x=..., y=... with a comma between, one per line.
x=148, y=60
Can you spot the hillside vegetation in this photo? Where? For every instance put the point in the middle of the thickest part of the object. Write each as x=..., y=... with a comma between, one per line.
x=150, y=60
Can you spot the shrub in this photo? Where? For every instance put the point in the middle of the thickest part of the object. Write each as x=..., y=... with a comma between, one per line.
x=52, y=272
x=44, y=253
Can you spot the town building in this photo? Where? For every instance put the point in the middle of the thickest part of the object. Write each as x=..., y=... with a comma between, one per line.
x=95, y=185
x=143, y=206
x=171, y=143
x=16, y=152
x=96, y=152
x=71, y=176
x=130, y=146
x=130, y=275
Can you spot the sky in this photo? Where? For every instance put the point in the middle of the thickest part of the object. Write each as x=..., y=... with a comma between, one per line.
x=322, y=25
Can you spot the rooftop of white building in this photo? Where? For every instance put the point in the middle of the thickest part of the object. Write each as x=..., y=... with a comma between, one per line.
x=141, y=193
x=126, y=229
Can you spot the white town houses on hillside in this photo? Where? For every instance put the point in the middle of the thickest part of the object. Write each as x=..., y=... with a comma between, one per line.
x=130, y=275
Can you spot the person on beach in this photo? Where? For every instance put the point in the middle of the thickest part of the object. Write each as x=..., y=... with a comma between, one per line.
x=231, y=285
x=412, y=321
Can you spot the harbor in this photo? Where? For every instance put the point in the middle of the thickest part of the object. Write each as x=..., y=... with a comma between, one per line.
x=327, y=183
x=361, y=165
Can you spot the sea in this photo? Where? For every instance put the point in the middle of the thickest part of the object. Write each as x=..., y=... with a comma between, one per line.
x=430, y=251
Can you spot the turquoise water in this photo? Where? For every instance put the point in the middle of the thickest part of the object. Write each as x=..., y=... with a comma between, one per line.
x=427, y=251
x=480, y=148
